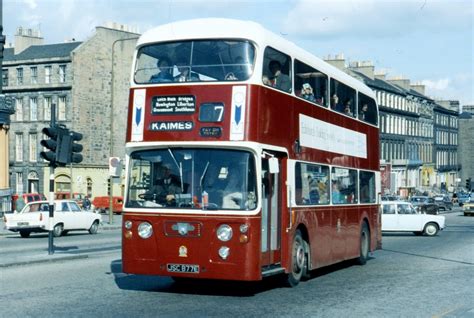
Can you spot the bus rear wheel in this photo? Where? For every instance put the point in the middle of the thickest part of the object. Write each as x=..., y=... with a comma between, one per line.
x=364, y=244
x=298, y=261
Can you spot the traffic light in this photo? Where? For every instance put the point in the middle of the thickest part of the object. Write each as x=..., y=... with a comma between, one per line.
x=53, y=144
x=76, y=148
x=69, y=151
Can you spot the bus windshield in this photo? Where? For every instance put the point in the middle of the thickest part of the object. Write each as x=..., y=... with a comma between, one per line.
x=198, y=178
x=195, y=61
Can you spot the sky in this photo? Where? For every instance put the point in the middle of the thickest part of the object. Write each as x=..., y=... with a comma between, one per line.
x=426, y=41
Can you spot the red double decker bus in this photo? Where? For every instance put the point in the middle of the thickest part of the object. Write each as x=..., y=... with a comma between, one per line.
x=246, y=157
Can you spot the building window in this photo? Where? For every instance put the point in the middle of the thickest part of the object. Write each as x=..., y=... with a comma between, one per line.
x=19, y=147
x=47, y=108
x=47, y=74
x=62, y=108
x=33, y=109
x=34, y=74
x=19, y=182
x=19, y=76
x=5, y=77
x=33, y=147
x=19, y=109
x=62, y=73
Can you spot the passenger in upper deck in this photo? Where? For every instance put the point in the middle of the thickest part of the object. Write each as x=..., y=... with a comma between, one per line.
x=335, y=105
x=280, y=80
x=307, y=92
x=164, y=71
x=348, y=108
x=185, y=74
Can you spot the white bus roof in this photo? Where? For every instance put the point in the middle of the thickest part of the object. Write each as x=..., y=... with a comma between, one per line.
x=218, y=28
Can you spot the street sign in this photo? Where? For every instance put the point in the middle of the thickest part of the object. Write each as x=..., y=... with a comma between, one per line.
x=115, y=167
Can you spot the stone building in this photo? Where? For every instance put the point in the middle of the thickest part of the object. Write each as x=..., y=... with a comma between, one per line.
x=79, y=78
x=446, y=147
x=466, y=145
x=407, y=131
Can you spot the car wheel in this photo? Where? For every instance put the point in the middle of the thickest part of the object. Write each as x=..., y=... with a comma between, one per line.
x=25, y=234
x=58, y=230
x=431, y=229
x=298, y=261
x=94, y=227
x=364, y=244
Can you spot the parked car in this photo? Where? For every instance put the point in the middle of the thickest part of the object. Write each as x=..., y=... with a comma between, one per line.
x=390, y=198
x=468, y=207
x=25, y=198
x=401, y=216
x=101, y=204
x=463, y=197
x=425, y=204
x=443, y=202
x=68, y=216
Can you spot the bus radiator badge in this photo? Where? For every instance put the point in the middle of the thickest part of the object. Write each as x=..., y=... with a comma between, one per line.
x=183, y=251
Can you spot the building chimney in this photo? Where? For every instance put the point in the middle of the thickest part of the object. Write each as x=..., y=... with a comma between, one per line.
x=338, y=61
x=364, y=67
x=420, y=88
x=24, y=38
x=380, y=74
x=400, y=81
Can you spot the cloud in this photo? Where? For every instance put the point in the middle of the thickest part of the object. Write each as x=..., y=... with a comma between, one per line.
x=437, y=85
x=457, y=87
x=32, y=4
x=376, y=18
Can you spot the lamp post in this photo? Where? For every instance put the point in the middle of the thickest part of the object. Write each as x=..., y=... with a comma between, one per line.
x=111, y=211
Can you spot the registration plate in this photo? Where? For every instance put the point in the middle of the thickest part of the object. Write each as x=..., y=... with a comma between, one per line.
x=182, y=268
x=23, y=223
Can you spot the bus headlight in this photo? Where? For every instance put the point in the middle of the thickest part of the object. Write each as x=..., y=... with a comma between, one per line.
x=145, y=230
x=224, y=233
x=224, y=252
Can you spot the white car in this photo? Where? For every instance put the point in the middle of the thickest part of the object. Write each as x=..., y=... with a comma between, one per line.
x=68, y=216
x=400, y=216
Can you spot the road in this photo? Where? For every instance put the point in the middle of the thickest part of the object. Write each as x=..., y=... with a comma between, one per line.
x=411, y=277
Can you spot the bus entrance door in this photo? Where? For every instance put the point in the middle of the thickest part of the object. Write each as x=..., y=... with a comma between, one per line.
x=271, y=211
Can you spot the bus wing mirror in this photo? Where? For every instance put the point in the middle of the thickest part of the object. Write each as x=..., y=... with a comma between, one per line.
x=273, y=165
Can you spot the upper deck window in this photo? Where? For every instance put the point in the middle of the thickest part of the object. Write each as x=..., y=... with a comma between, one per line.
x=367, y=110
x=310, y=83
x=195, y=61
x=277, y=70
x=343, y=98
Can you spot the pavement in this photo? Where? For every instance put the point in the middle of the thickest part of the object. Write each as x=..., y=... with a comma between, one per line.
x=58, y=255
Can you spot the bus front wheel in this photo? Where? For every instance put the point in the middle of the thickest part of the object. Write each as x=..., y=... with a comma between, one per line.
x=298, y=260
